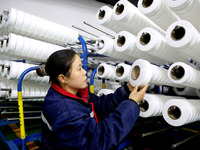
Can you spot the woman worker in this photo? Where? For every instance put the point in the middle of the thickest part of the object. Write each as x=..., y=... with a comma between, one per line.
x=74, y=119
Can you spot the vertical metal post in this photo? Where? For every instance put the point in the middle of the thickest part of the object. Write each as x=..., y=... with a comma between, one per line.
x=85, y=53
x=92, y=80
x=20, y=104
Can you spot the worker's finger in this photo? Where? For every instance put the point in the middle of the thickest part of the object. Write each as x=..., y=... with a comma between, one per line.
x=143, y=90
x=135, y=88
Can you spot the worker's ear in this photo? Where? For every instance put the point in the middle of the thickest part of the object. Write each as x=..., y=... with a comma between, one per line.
x=62, y=78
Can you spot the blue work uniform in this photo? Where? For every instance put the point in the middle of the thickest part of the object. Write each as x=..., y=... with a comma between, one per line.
x=86, y=121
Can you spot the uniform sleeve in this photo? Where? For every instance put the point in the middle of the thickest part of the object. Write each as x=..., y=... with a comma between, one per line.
x=106, y=104
x=76, y=130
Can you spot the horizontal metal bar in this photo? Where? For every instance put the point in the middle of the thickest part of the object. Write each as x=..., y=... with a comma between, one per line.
x=25, y=112
x=25, y=118
x=154, y=132
x=84, y=31
x=27, y=97
x=99, y=29
x=4, y=89
x=184, y=141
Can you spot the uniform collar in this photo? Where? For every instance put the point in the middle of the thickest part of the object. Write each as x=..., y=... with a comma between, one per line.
x=83, y=92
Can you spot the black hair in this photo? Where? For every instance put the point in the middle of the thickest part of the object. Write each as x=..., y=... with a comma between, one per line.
x=60, y=62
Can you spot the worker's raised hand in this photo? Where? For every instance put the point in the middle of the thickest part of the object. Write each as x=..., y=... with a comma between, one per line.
x=136, y=95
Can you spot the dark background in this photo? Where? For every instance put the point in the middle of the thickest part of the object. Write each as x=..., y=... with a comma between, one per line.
x=113, y=2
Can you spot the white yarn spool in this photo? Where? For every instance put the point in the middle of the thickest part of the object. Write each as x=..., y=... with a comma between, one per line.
x=97, y=85
x=11, y=19
x=106, y=71
x=112, y=85
x=104, y=17
x=38, y=52
x=28, y=48
x=33, y=48
x=158, y=12
x=152, y=42
x=183, y=74
x=41, y=91
x=15, y=69
x=32, y=89
x=105, y=92
x=35, y=27
x=4, y=42
x=18, y=23
x=13, y=93
x=44, y=51
x=45, y=30
x=12, y=70
x=32, y=26
x=1, y=44
x=4, y=68
x=61, y=35
x=185, y=91
x=152, y=104
x=198, y=92
x=22, y=68
x=133, y=20
x=26, y=23
x=178, y=112
x=38, y=92
x=26, y=89
x=105, y=46
x=5, y=86
x=37, y=78
x=2, y=21
x=125, y=42
x=40, y=24
x=19, y=45
x=186, y=10
x=122, y=71
x=44, y=90
x=45, y=79
x=1, y=64
x=3, y=26
x=183, y=36
x=143, y=73
x=11, y=42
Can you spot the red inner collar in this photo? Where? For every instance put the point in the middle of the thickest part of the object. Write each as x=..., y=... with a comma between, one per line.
x=83, y=92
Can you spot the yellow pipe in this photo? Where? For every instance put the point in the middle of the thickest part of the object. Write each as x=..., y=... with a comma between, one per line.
x=103, y=85
x=91, y=88
x=21, y=115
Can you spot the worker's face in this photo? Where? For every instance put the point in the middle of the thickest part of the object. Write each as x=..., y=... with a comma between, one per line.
x=77, y=79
